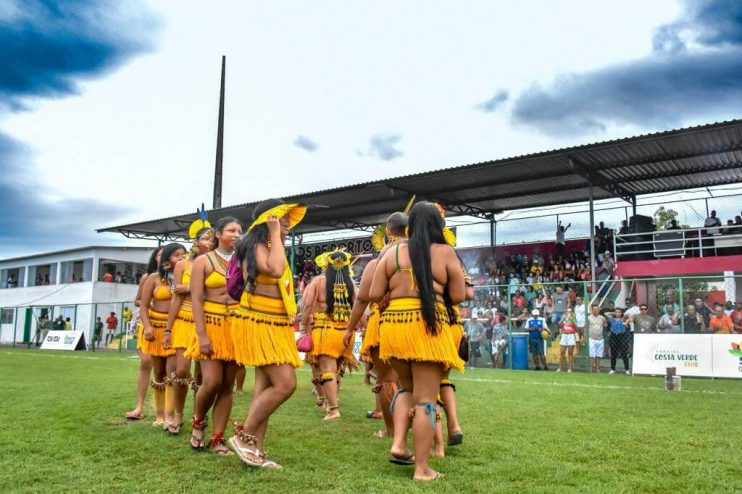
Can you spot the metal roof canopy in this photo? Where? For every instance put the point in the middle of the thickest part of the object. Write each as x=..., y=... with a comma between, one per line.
x=701, y=156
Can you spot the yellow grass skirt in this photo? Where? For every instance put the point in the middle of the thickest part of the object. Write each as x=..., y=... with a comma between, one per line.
x=371, y=337
x=217, y=325
x=327, y=337
x=403, y=335
x=184, y=329
x=262, y=332
x=155, y=347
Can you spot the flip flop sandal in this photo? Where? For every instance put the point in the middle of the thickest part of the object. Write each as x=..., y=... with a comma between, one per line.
x=158, y=423
x=404, y=460
x=438, y=475
x=200, y=440
x=174, y=430
x=372, y=414
x=456, y=439
x=264, y=463
x=134, y=416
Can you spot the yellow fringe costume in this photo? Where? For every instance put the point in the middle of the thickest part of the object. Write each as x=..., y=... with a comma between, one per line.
x=217, y=322
x=327, y=337
x=184, y=328
x=158, y=320
x=263, y=332
x=403, y=335
x=371, y=337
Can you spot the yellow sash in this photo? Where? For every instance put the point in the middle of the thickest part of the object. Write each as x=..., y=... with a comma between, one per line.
x=286, y=287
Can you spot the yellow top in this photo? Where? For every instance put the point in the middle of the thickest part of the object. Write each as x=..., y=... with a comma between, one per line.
x=264, y=279
x=162, y=293
x=215, y=278
x=186, y=279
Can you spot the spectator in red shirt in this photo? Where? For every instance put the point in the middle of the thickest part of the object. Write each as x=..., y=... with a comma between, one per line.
x=111, y=324
x=108, y=277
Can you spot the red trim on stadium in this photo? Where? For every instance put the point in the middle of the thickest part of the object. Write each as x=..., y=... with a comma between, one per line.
x=679, y=267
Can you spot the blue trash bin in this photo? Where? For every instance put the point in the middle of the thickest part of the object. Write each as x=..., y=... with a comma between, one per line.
x=520, y=351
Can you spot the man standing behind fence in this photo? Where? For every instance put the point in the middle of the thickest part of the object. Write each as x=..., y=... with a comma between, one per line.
x=97, y=333
x=596, y=325
x=111, y=324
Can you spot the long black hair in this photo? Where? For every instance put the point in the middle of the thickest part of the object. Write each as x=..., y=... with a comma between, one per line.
x=220, y=225
x=152, y=263
x=330, y=274
x=425, y=229
x=168, y=251
x=245, y=248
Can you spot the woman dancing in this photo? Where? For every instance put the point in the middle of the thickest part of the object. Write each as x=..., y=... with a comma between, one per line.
x=386, y=386
x=180, y=322
x=418, y=332
x=327, y=306
x=263, y=329
x=145, y=361
x=212, y=344
x=156, y=297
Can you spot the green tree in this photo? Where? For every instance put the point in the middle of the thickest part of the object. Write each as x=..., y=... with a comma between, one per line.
x=663, y=218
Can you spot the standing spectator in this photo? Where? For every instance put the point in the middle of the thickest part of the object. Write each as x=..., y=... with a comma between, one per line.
x=111, y=324
x=737, y=317
x=702, y=309
x=631, y=308
x=499, y=338
x=720, y=323
x=560, y=302
x=488, y=321
x=12, y=282
x=58, y=324
x=618, y=340
x=475, y=331
x=98, y=331
x=535, y=325
x=693, y=322
x=596, y=325
x=119, y=277
x=568, y=340
x=41, y=329
x=624, y=228
x=520, y=321
x=46, y=279
x=560, y=238
x=580, y=309
x=605, y=272
x=710, y=222
x=108, y=278
x=68, y=324
x=644, y=322
x=39, y=280
x=127, y=316
x=670, y=321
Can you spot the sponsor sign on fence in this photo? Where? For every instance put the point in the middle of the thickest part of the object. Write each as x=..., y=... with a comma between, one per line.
x=64, y=340
x=701, y=355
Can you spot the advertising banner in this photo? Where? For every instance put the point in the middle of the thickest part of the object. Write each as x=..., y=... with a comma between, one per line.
x=64, y=340
x=690, y=354
x=727, y=350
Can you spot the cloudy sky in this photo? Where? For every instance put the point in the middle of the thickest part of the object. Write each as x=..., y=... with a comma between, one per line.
x=108, y=109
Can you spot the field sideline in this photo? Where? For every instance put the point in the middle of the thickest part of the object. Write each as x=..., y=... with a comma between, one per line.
x=63, y=430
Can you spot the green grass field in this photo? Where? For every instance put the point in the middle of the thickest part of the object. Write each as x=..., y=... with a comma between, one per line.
x=63, y=430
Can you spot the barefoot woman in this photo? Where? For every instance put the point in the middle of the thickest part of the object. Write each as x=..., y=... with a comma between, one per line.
x=327, y=310
x=417, y=332
x=262, y=328
x=212, y=345
x=180, y=321
x=156, y=297
x=145, y=361
x=386, y=385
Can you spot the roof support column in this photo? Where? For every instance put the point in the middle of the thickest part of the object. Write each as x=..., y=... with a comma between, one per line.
x=592, y=239
x=633, y=205
x=493, y=231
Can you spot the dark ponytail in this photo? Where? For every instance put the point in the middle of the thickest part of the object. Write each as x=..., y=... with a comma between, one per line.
x=245, y=247
x=168, y=251
x=425, y=229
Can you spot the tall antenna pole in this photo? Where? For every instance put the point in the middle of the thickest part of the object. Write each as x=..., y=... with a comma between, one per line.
x=219, y=145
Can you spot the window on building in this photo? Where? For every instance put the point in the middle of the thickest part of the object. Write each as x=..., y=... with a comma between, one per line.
x=6, y=316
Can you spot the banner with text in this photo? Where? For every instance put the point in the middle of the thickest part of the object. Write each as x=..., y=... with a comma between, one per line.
x=700, y=355
x=64, y=340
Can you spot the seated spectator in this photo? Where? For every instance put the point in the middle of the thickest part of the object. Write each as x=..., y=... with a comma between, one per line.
x=720, y=323
x=693, y=322
x=737, y=317
x=643, y=322
x=670, y=321
x=702, y=309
